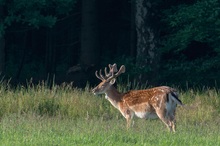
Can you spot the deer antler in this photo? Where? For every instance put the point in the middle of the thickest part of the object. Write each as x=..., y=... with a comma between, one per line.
x=112, y=69
x=110, y=74
x=121, y=70
x=99, y=77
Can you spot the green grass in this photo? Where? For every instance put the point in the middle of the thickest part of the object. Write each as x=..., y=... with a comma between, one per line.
x=35, y=130
x=63, y=116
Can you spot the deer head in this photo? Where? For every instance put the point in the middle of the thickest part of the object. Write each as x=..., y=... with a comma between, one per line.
x=108, y=79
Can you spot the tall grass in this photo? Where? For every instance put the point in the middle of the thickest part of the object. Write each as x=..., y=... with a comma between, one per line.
x=63, y=115
x=58, y=100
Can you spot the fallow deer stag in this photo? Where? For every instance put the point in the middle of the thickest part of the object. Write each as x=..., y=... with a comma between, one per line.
x=158, y=102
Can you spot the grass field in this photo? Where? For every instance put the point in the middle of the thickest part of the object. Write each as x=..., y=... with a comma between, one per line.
x=63, y=116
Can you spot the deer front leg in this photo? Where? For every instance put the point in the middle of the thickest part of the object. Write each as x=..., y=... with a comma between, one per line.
x=128, y=114
x=128, y=122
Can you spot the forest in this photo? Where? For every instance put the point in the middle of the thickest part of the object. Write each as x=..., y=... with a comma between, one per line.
x=51, y=49
x=161, y=42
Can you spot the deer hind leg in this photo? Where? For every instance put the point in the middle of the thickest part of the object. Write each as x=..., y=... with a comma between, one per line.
x=173, y=121
x=174, y=126
x=162, y=115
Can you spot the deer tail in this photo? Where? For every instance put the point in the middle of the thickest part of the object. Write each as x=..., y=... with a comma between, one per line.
x=174, y=96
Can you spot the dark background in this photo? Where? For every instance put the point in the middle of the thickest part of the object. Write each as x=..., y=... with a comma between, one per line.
x=68, y=40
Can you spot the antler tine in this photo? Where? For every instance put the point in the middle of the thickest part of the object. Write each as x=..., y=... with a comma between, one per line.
x=99, y=77
x=100, y=73
x=112, y=70
x=121, y=70
x=106, y=73
x=114, y=67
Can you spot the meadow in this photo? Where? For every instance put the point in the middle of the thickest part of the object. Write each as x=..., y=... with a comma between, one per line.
x=61, y=115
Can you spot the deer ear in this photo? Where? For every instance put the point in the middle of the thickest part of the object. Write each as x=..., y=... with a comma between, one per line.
x=112, y=81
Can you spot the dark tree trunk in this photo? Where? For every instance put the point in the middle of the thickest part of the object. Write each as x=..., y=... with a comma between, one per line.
x=2, y=45
x=2, y=54
x=147, y=53
x=89, y=51
x=50, y=61
x=22, y=60
x=89, y=33
x=133, y=36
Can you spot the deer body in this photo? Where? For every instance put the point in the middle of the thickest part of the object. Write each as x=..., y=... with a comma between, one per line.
x=158, y=102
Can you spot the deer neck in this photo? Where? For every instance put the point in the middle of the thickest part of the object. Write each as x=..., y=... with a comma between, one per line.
x=113, y=96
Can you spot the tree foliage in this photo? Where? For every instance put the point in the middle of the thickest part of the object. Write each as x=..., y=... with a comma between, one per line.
x=198, y=22
x=34, y=13
x=191, y=43
x=42, y=37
